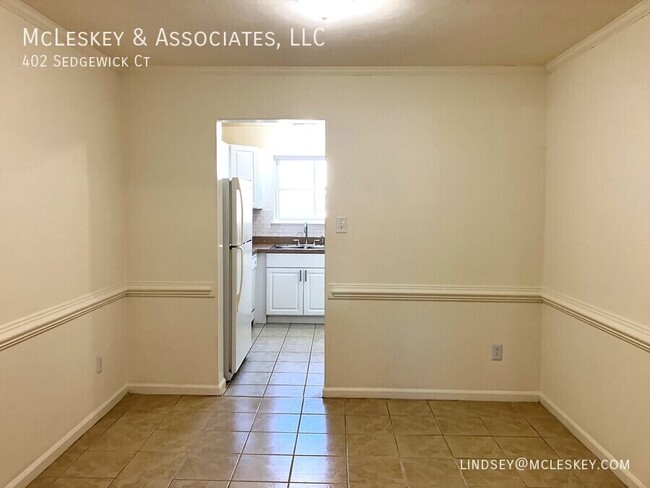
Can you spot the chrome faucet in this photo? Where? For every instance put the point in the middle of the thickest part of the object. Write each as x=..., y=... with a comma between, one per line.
x=306, y=232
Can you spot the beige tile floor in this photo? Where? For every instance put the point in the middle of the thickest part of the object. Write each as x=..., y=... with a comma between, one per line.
x=272, y=430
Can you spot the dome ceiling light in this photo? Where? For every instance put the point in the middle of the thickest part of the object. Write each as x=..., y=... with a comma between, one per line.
x=337, y=9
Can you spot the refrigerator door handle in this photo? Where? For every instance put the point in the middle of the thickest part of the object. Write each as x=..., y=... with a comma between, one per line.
x=240, y=273
x=241, y=215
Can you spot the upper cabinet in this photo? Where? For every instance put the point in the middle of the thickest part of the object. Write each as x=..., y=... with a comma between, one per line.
x=246, y=162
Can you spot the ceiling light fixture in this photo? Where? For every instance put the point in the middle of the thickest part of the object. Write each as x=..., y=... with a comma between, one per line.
x=337, y=9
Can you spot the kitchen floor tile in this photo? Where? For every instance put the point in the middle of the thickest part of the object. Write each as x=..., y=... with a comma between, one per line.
x=288, y=379
x=263, y=468
x=322, y=424
x=291, y=367
x=365, y=407
x=170, y=441
x=197, y=484
x=319, y=469
x=276, y=422
x=320, y=445
x=278, y=443
x=409, y=408
x=375, y=470
x=509, y=426
x=475, y=447
x=238, y=404
x=432, y=472
x=371, y=445
x=230, y=421
x=528, y=447
x=212, y=441
x=197, y=403
x=368, y=424
x=415, y=425
x=281, y=405
x=207, y=466
x=153, y=465
x=422, y=446
x=139, y=483
x=98, y=464
x=462, y=426
x=322, y=406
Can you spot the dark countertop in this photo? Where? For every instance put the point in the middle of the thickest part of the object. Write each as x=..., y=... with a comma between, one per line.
x=267, y=248
x=263, y=244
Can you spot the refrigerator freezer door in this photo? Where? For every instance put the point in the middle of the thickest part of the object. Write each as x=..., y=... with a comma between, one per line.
x=241, y=303
x=241, y=204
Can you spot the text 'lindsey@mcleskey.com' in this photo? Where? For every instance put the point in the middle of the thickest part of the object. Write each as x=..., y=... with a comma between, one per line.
x=522, y=464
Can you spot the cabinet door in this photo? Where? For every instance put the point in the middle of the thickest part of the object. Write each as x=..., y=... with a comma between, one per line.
x=284, y=290
x=242, y=162
x=314, y=296
x=247, y=162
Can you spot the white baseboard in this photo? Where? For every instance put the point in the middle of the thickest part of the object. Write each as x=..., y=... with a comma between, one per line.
x=592, y=444
x=173, y=389
x=38, y=466
x=422, y=394
x=292, y=319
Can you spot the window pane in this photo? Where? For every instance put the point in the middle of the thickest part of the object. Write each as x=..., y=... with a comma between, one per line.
x=319, y=211
x=295, y=174
x=321, y=174
x=295, y=205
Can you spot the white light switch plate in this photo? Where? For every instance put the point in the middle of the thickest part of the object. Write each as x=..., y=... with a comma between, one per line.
x=341, y=225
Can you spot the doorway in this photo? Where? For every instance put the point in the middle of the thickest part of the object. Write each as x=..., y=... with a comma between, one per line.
x=285, y=163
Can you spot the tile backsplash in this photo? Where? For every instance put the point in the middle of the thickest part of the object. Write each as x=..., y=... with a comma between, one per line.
x=263, y=226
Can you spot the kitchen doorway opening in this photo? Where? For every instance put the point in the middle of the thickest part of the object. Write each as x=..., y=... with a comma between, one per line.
x=272, y=184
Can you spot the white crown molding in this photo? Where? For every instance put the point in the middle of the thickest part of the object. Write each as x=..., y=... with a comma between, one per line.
x=592, y=444
x=49, y=456
x=619, y=24
x=426, y=394
x=24, y=328
x=39, y=20
x=434, y=293
x=330, y=71
x=629, y=331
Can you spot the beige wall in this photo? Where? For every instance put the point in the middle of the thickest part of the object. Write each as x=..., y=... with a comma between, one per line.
x=441, y=177
x=61, y=219
x=597, y=234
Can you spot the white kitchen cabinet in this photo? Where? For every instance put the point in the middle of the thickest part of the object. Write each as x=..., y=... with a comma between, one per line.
x=314, y=291
x=284, y=291
x=246, y=162
x=295, y=285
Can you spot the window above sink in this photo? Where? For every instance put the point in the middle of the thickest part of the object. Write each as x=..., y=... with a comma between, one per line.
x=300, y=185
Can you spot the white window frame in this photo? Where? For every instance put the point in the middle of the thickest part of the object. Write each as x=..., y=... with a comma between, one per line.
x=276, y=206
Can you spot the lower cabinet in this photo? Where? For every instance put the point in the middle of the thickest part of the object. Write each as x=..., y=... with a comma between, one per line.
x=292, y=287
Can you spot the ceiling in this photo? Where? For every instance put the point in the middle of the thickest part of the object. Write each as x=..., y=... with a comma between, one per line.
x=397, y=33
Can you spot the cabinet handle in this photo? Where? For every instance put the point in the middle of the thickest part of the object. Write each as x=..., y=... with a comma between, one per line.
x=300, y=276
x=305, y=276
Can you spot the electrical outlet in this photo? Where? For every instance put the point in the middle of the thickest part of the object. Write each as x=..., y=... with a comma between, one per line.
x=99, y=364
x=341, y=225
x=497, y=352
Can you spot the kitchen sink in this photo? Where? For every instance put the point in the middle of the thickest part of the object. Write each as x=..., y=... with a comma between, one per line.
x=298, y=247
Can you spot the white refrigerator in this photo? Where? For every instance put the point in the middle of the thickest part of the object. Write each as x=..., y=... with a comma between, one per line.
x=238, y=276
